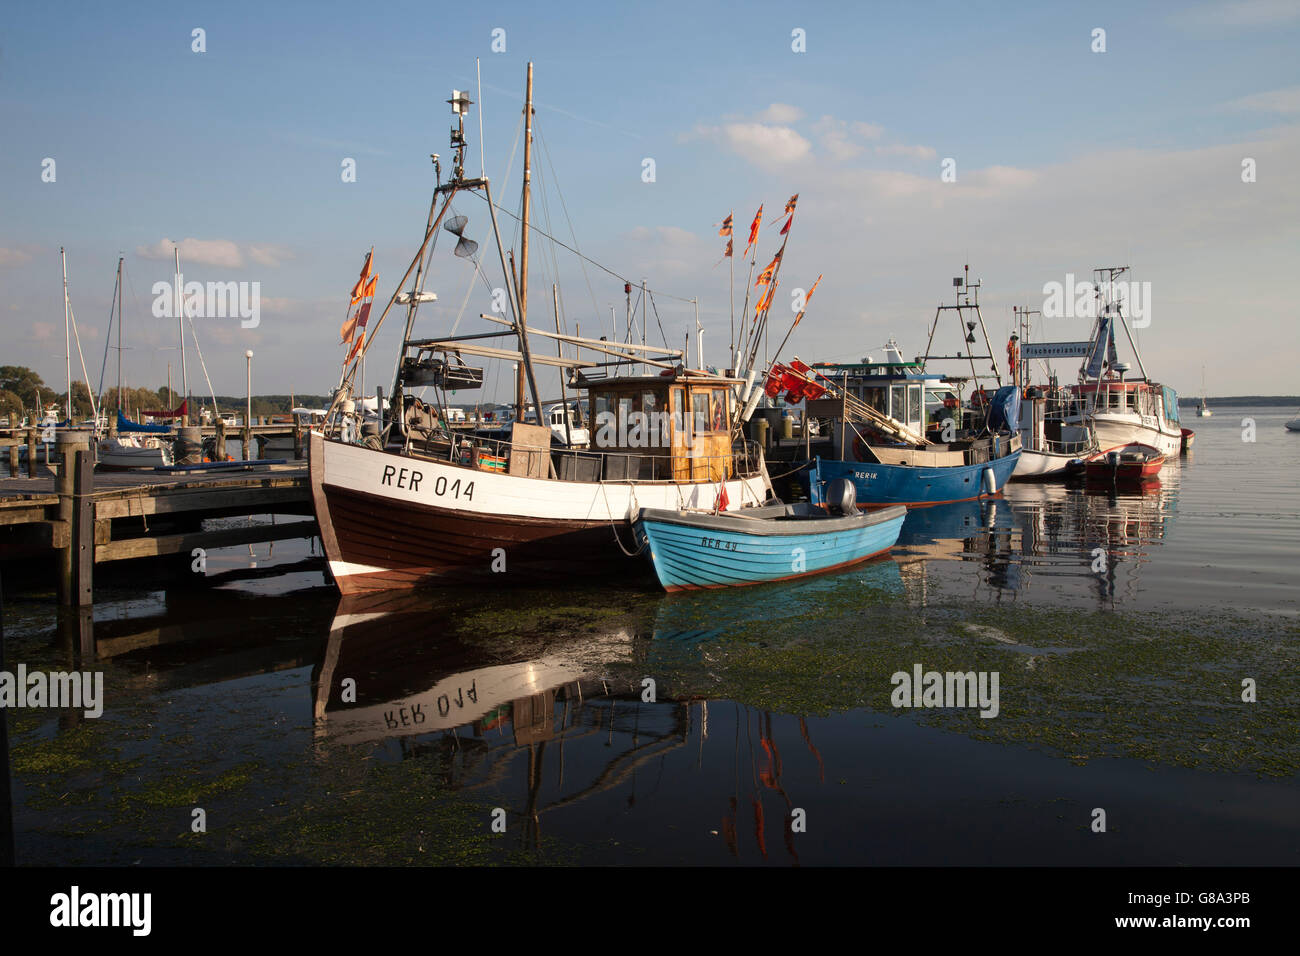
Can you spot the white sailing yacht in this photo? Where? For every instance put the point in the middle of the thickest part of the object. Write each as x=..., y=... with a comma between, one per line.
x=150, y=446
x=1203, y=410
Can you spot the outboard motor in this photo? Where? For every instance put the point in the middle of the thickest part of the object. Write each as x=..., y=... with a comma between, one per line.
x=841, y=497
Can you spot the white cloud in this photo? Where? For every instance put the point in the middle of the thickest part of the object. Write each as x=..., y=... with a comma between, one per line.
x=902, y=149
x=13, y=257
x=1271, y=101
x=269, y=255
x=210, y=252
x=762, y=144
x=781, y=113
x=216, y=252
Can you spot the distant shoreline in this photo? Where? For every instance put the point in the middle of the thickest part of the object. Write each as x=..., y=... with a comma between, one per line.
x=1228, y=401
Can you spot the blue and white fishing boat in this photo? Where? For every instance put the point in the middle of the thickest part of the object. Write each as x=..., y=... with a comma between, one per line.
x=777, y=542
x=904, y=435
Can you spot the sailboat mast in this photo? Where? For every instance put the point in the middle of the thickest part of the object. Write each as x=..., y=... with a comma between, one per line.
x=523, y=246
x=67, y=333
x=119, y=333
x=180, y=331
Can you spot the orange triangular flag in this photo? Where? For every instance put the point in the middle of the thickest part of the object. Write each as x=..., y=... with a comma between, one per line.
x=753, y=228
x=348, y=329
x=806, y=299
x=765, y=276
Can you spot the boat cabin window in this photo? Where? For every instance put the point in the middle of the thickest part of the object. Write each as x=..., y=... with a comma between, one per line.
x=700, y=411
x=875, y=397
x=898, y=402
x=679, y=408
x=719, y=409
x=914, y=405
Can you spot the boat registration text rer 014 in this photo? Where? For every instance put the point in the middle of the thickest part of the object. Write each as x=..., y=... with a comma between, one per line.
x=410, y=478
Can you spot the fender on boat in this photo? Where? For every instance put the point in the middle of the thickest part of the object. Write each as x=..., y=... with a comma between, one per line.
x=990, y=482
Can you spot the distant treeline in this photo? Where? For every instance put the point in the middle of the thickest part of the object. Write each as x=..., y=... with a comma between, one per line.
x=265, y=404
x=1230, y=400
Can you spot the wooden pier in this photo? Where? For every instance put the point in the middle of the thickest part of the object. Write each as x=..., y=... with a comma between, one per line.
x=88, y=519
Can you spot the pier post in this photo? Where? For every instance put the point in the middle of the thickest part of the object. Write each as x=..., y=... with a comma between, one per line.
x=31, y=453
x=13, y=460
x=69, y=443
x=82, y=533
x=221, y=439
x=297, y=439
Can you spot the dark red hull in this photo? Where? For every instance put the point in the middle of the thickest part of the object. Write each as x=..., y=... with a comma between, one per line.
x=410, y=546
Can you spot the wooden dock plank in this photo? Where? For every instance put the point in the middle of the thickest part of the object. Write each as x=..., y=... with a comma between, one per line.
x=159, y=545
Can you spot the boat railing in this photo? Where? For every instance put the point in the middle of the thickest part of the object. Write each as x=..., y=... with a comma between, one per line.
x=745, y=460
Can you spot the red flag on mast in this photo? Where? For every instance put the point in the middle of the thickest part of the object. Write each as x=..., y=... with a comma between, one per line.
x=753, y=228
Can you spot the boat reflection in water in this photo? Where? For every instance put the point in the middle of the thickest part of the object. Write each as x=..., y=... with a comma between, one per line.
x=1041, y=541
x=538, y=723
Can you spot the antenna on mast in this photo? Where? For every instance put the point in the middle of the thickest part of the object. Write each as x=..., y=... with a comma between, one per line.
x=460, y=104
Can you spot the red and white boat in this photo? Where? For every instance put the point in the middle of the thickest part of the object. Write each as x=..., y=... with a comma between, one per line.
x=422, y=502
x=1135, y=463
x=1123, y=411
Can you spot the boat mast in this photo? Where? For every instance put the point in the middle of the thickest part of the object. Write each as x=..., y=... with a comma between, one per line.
x=180, y=331
x=1112, y=305
x=523, y=249
x=67, y=333
x=119, y=333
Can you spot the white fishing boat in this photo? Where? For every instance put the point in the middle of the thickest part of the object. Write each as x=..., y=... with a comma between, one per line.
x=421, y=502
x=1294, y=424
x=1122, y=411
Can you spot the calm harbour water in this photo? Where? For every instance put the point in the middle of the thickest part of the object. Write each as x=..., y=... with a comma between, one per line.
x=1121, y=627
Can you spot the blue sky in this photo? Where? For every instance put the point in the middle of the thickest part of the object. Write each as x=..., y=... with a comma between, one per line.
x=1066, y=159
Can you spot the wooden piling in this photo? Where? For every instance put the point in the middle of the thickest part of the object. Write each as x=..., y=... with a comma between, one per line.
x=82, y=538
x=221, y=439
x=13, y=460
x=65, y=486
x=31, y=453
x=297, y=439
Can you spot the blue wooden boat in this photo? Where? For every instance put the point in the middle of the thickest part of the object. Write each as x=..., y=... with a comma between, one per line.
x=878, y=483
x=904, y=436
x=778, y=542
